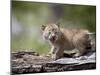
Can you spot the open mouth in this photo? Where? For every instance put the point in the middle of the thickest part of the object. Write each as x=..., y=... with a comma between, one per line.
x=53, y=39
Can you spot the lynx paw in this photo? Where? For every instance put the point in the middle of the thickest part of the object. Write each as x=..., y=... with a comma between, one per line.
x=77, y=55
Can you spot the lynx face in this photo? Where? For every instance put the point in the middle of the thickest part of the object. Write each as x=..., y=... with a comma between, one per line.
x=51, y=32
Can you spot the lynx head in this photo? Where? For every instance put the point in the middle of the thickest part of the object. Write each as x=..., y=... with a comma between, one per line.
x=51, y=32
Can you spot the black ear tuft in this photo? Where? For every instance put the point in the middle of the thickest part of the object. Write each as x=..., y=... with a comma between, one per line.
x=58, y=24
x=43, y=27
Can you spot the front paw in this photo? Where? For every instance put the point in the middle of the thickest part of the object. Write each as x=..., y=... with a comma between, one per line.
x=77, y=55
x=55, y=57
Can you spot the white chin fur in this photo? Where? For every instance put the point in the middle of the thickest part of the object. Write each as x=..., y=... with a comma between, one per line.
x=44, y=38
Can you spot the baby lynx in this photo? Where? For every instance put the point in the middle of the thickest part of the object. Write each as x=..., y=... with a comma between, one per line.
x=62, y=39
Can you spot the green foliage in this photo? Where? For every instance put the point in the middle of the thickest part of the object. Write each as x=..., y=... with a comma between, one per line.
x=31, y=15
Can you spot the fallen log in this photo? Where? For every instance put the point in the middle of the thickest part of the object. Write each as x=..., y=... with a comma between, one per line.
x=31, y=62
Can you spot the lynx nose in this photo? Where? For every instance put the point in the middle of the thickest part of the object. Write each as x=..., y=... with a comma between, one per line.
x=53, y=35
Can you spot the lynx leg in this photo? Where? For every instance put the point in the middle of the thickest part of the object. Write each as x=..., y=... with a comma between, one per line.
x=58, y=54
x=80, y=52
x=53, y=53
x=53, y=49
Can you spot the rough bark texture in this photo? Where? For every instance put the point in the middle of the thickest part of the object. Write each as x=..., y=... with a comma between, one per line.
x=31, y=62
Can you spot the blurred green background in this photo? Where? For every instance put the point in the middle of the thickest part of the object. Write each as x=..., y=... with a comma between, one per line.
x=27, y=18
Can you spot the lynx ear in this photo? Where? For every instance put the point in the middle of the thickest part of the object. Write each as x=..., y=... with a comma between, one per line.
x=43, y=27
x=58, y=24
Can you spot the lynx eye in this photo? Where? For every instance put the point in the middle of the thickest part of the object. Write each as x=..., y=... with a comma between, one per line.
x=56, y=32
x=49, y=32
